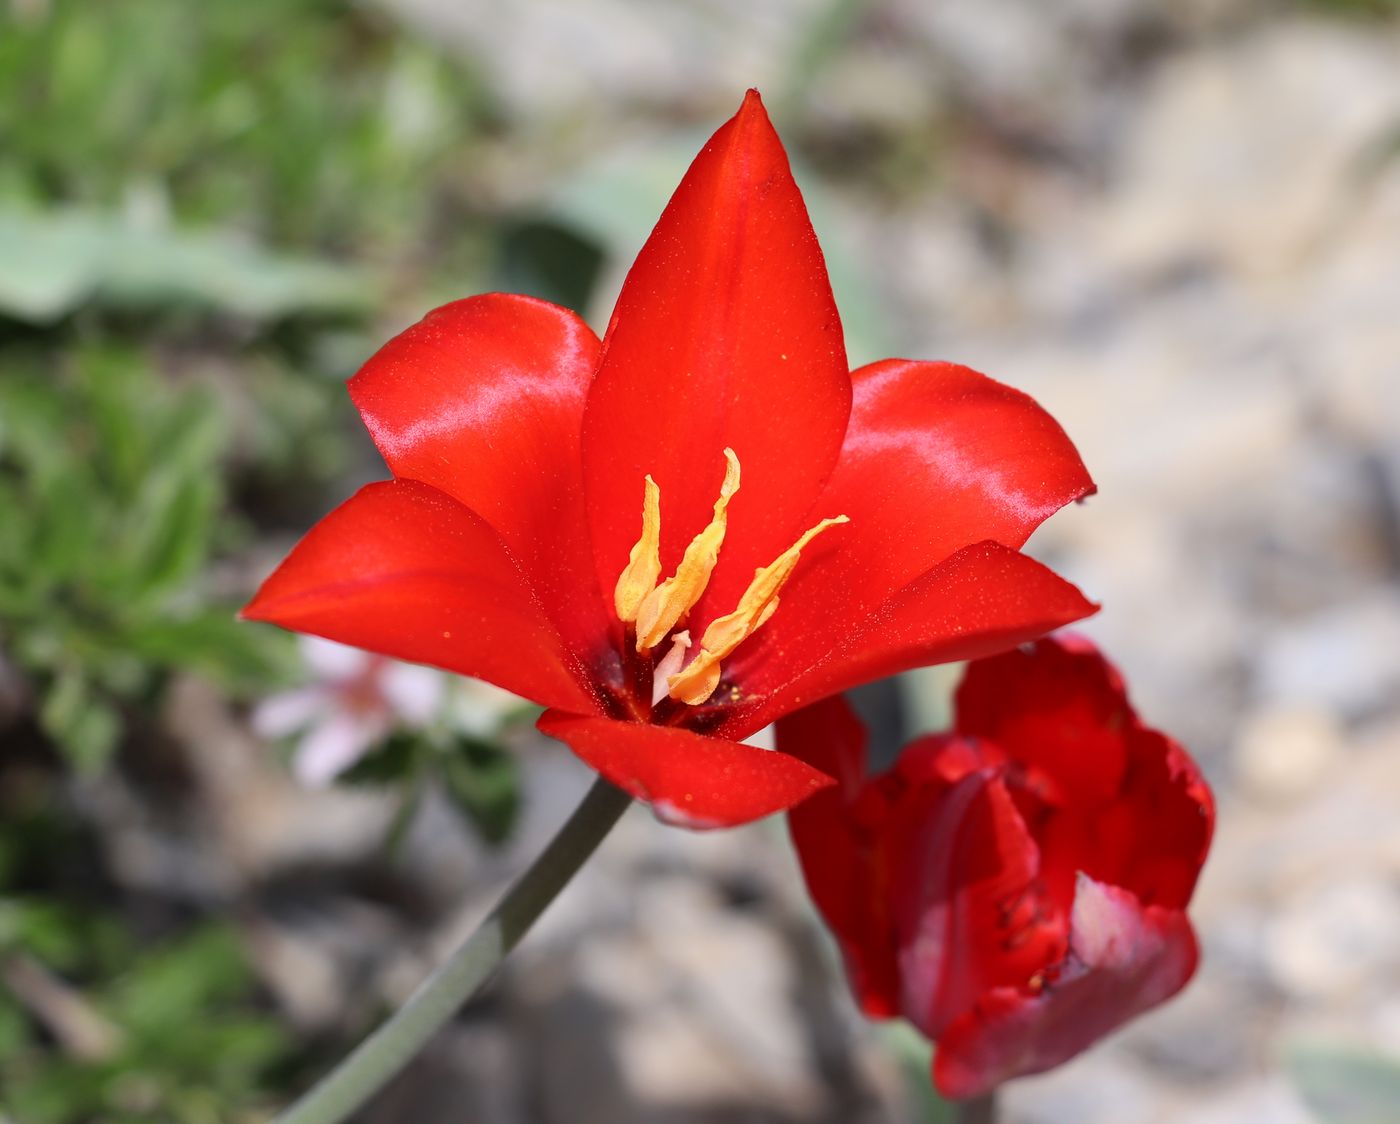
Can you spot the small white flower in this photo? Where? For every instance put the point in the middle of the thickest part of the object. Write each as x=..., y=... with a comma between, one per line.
x=355, y=700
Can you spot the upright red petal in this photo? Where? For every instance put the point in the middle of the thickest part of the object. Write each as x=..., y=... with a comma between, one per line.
x=1123, y=960
x=984, y=599
x=483, y=399
x=689, y=779
x=725, y=334
x=405, y=570
x=936, y=457
x=1058, y=707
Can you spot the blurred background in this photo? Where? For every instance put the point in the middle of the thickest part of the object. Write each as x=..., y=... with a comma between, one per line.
x=1174, y=222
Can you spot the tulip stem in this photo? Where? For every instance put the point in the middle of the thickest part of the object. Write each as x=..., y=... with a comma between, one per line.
x=385, y=1052
x=979, y=1110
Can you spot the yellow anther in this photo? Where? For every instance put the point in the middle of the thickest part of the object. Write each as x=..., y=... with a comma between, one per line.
x=670, y=601
x=698, y=681
x=644, y=563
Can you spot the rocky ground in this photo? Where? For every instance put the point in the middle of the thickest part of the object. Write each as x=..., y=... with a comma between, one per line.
x=1178, y=226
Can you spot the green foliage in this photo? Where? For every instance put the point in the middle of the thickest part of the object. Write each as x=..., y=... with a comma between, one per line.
x=1344, y=1084
x=550, y=261
x=480, y=777
x=483, y=780
x=111, y=481
x=182, y=1035
x=1363, y=8
x=309, y=121
x=57, y=261
x=915, y=1057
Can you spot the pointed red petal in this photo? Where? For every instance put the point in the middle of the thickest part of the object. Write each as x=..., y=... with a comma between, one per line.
x=725, y=334
x=984, y=599
x=937, y=457
x=405, y=570
x=842, y=850
x=689, y=779
x=1123, y=960
x=483, y=399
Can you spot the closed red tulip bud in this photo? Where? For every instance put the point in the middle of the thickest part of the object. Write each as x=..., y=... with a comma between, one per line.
x=1015, y=888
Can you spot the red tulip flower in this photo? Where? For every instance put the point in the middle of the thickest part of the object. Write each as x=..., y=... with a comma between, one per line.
x=1015, y=888
x=607, y=527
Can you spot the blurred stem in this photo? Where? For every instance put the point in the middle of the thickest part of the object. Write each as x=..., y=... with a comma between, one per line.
x=385, y=1052
x=403, y=817
x=979, y=1110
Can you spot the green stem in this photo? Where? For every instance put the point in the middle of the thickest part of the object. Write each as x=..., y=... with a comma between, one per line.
x=385, y=1052
x=979, y=1110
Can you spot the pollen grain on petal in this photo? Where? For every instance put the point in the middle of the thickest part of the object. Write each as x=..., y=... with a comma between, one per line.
x=643, y=567
x=698, y=681
x=670, y=601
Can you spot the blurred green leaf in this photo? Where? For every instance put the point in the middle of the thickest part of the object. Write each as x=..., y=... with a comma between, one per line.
x=215, y=642
x=915, y=1056
x=483, y=781
x=51, y=262
x=1345, y=1084
x=14, y=1029
x=1361, y=8
x=399, y=757
x=86, y=727
x=481, y=778
x=176, y=981
x=46, y=271
x=67, y=939
x=549, y=261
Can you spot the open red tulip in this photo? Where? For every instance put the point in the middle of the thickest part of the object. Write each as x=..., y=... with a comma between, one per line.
x=605, y=527
x=1015, y=888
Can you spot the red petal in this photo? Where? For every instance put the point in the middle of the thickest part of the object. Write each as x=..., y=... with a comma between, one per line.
x=842, y=851
x=1153, y=837
x=725, y=334
x=1123, y=960
x=1136, y=812
x=937, y=457
x=984, y=599
x=689, y=779
x=405, y=570
x=1057, y=707
x=970, y=913
x=483, y=399
x=829, y=737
